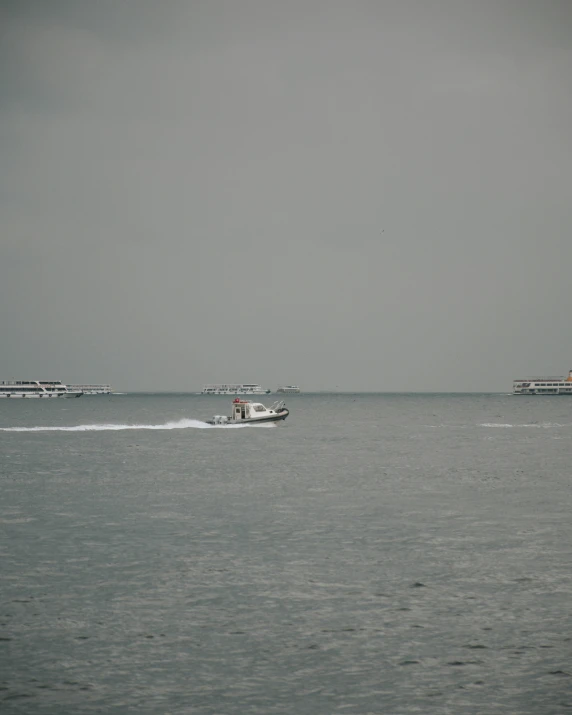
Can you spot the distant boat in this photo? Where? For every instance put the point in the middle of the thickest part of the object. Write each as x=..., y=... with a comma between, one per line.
x=92, y=389
x=245, y=388
x=36, y=388
x=289, y=388
x=543, y=385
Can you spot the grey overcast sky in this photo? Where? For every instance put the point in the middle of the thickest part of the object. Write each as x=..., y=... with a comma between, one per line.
x=350, y=194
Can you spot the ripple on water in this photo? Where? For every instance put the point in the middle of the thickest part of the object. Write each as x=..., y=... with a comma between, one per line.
x=370, y=564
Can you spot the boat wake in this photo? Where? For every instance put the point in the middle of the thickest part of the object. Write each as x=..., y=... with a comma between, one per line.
x=180, y=424
x=538, y=425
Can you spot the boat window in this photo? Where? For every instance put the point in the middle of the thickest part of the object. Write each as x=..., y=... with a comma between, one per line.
x=259, y=408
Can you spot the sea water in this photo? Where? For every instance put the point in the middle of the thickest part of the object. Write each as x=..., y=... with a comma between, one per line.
x=388, y=554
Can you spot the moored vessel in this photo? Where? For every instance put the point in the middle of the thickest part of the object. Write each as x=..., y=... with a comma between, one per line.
x=246, y=388
x=36, y=388
x=291, y=389
x=92, y=389
x=248, y=412
x=543, y=385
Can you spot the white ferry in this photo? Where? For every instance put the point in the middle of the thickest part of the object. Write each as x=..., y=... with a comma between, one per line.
x=292, y=389
x=36, y=388
x=238, y=389
x=543, y=385
x=92, y=389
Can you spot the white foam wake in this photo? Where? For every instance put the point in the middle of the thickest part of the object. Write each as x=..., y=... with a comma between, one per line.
x=538, y=425
x=180, y=424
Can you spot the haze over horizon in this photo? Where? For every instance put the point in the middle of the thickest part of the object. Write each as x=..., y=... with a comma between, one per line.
x=353, y=196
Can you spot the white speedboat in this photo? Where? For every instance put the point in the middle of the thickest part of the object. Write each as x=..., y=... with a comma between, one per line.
x=247, y=412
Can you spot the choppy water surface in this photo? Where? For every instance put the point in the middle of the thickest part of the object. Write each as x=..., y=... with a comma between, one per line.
x=375, y=554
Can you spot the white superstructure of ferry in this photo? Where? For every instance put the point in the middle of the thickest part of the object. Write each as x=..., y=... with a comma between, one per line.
x=245, y=388
x=291, y=389
x=36, y=388
x=543, y=385
x=92, y=389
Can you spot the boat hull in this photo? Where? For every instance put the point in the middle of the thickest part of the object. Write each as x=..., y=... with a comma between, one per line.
x=40, y=396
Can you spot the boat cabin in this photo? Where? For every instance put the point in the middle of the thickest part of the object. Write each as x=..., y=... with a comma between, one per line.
x=245, y=410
